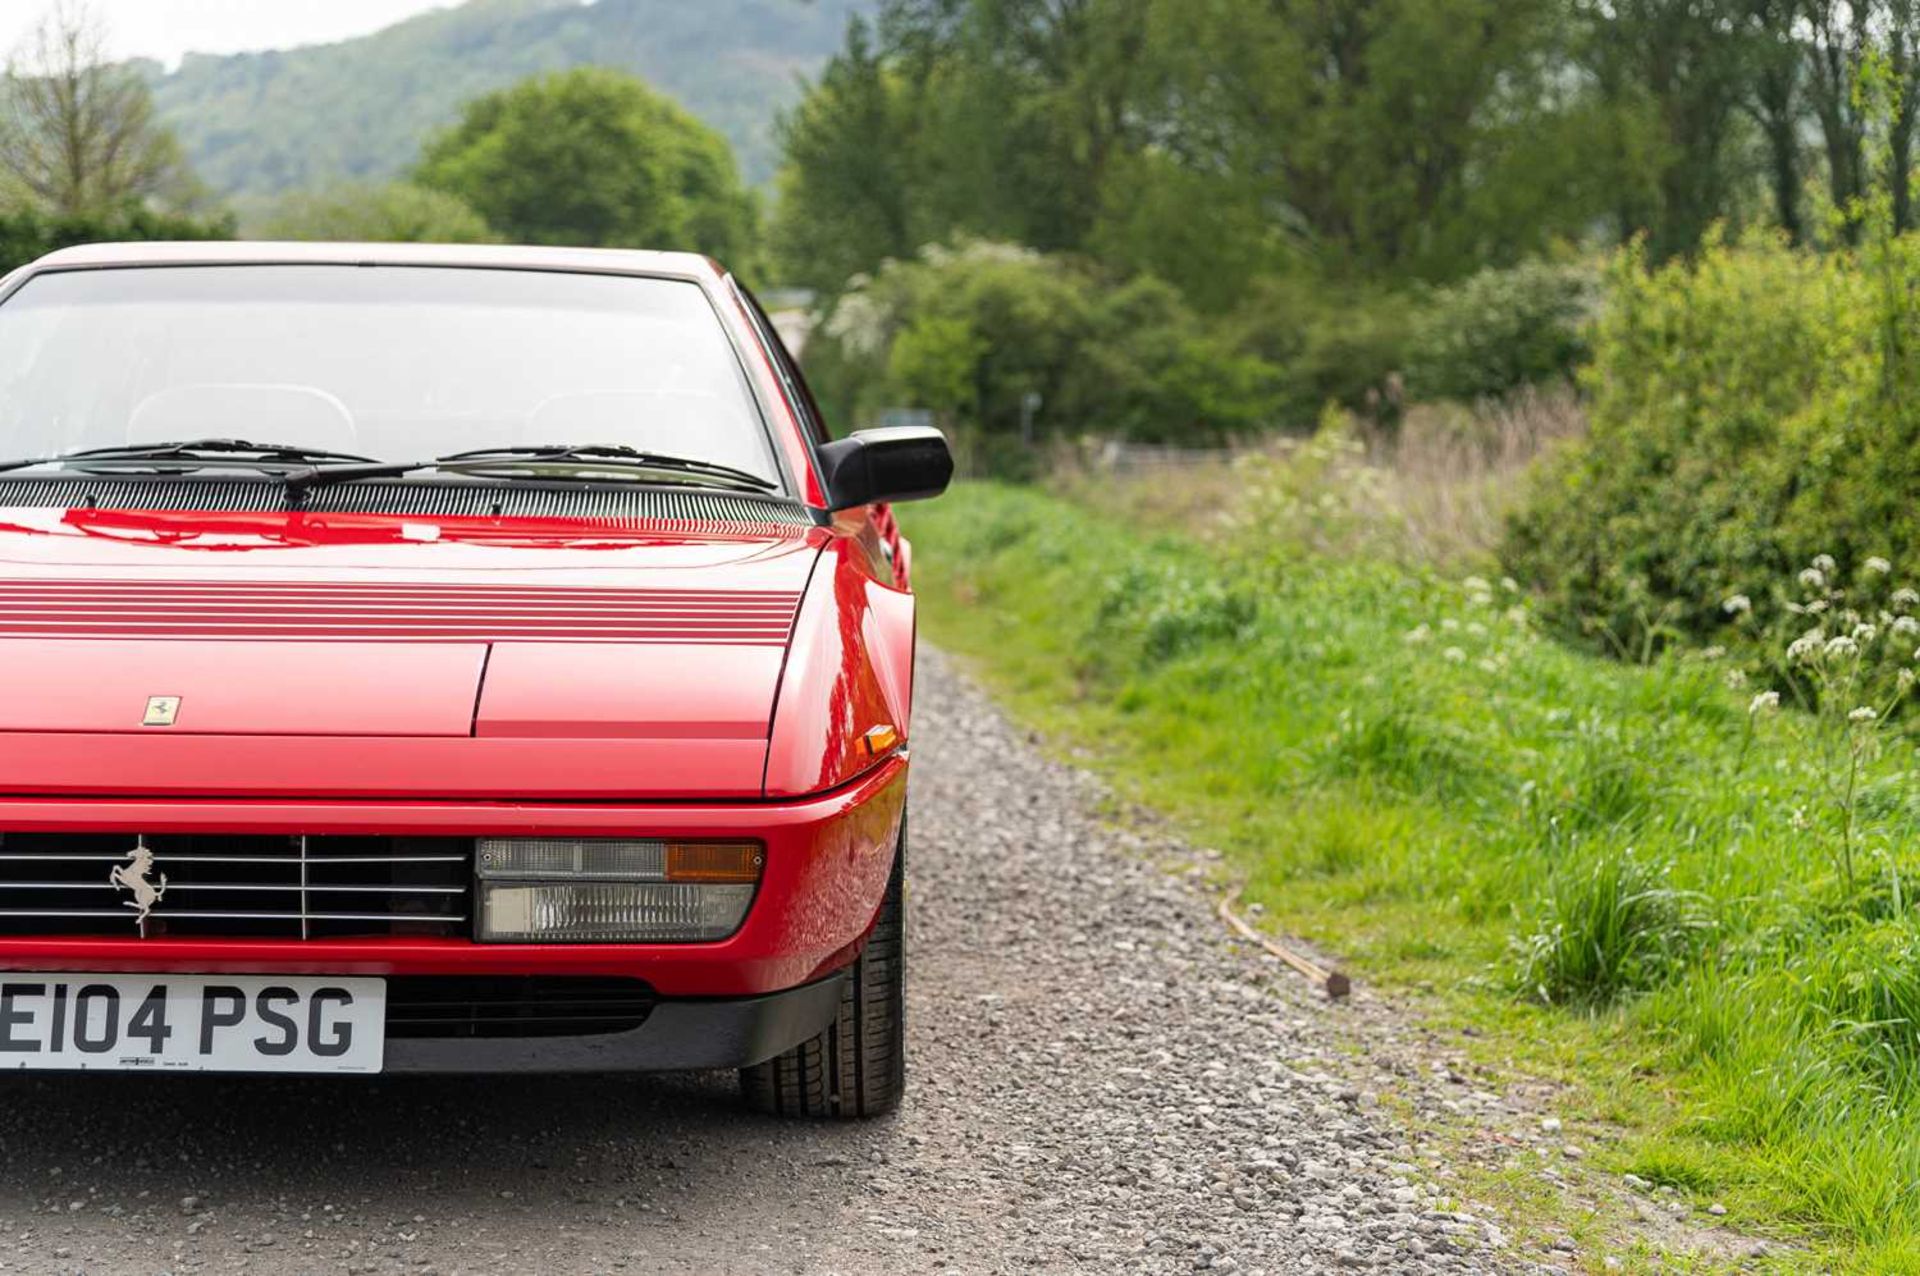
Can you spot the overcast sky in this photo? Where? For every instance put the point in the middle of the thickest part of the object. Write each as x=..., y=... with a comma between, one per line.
x=165, y=29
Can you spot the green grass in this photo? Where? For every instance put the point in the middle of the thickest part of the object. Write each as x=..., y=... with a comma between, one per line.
x=1589, y=864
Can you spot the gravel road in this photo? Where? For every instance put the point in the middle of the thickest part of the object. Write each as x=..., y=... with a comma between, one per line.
x=1101, y=1081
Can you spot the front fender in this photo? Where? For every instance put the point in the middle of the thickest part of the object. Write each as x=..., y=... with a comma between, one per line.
x=849, y=670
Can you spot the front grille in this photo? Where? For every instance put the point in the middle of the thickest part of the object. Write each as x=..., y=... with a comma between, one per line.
x=514, y=1005
x=236, y=886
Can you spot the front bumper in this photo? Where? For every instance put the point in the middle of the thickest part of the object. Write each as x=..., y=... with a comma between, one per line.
x=828, y=858
x=689, y=1033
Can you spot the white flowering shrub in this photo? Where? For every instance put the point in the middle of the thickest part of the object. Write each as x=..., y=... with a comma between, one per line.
x=1314, y=495
x=1851, y=666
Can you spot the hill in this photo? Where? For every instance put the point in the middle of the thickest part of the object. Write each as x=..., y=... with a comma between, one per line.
x=255, y=124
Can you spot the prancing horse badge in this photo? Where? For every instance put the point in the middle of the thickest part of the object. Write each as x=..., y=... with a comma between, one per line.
x=134, y=876
x=161, y=711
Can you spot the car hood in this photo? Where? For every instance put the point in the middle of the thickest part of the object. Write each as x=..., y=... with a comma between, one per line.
x=225, y=654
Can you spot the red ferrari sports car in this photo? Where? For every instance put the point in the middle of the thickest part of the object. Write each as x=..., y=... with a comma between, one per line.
x=445, y=659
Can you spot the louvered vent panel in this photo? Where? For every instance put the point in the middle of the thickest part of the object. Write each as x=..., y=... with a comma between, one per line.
x=306, y=610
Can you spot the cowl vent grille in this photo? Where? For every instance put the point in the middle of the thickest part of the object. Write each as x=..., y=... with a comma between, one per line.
x=723, y=513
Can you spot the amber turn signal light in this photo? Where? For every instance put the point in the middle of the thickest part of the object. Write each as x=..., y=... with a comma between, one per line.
x=714, y=861
x=880, y=740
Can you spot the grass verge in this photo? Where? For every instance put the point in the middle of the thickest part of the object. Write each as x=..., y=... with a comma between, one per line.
x=1616, y=875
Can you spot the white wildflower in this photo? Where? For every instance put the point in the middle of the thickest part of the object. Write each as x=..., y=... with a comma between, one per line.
x=1712, y=653
x=1736, y=678
x=1815, y=607
x=1454, y=654
x=1864, y=634
x=1762, y=703
x=1904, y=597
x=1863, y=714
x=1813, y=578
x=1840, y=647
x=1477, y=629
x=1806, y=646
x=1476, y=585
x=1878, y=565
x=1488, y=666
x=1824, y=563
x=1419, y=633
x=1905, y=626
x=1738, y=605
x=1449, y=624
x=1509, y=584
x=1906, y=679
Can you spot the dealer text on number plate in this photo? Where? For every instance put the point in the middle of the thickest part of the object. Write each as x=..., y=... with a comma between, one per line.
x=207, y=1023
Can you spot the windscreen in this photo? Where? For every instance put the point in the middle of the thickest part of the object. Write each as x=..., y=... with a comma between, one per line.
x=392, y=362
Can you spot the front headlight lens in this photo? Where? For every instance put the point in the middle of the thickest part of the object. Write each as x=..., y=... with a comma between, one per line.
x=562, y=890
x=601, y=911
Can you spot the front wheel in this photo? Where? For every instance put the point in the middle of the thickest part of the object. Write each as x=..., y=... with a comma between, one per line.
x=857, y=1065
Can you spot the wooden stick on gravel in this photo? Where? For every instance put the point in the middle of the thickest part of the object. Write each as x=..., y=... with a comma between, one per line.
x=1332, y=982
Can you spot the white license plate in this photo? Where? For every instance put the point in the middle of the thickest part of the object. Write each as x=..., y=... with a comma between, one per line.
x=192, y=1023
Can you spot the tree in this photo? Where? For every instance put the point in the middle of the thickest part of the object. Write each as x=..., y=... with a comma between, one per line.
x=1198, y=140
x=1903, y=69
x=1676, y=74
x=847, y=195
x=395, y=213
x=1776, y=103
x=1393, y=138
x=78, y=133
x=593, y=157
x=1029, y=103
x=1839, y=45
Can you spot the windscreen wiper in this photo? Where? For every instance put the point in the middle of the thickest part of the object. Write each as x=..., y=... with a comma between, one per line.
x=499, y=463
x=238, y=450
x=613, y=452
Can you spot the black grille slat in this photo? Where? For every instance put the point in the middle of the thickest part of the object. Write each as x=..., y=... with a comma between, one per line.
x=263, y=886
x=514, y=1005
x=719, y=513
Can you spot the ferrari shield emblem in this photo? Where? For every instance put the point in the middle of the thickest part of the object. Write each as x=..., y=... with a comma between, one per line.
x=161, y=711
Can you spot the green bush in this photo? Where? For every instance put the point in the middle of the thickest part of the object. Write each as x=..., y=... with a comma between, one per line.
x=970, y=332
x=1499, y=330
x=1333, y=342
x=1750, y=411
x=27, y=233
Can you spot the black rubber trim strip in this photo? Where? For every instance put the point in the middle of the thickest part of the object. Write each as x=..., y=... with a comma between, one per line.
x=679, y=1034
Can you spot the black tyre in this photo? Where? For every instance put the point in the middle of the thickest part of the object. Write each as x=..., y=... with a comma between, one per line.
x=857, y=1066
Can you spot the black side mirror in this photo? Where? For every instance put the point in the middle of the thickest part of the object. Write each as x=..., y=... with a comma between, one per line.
x=896, y=463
